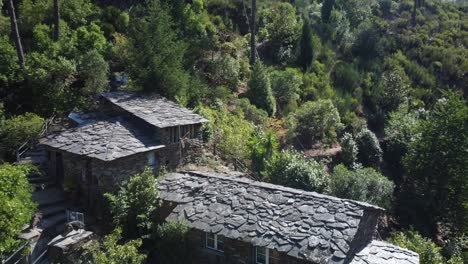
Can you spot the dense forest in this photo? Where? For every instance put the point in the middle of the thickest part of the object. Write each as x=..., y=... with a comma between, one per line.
x=359, y=99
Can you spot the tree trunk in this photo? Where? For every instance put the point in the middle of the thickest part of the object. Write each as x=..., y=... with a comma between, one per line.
x=15, y=32
x=252, y=34
x=57, y=20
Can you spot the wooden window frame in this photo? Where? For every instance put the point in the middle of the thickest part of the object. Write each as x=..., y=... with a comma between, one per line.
x=267, y=255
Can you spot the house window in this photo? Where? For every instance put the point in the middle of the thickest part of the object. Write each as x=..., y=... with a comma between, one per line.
x=152, y=162
x=266, y=256
x=215, y=242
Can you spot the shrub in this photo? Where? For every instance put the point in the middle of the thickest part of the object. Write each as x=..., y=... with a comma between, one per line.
x=259, y=92
x=18, y=129
x=290, y=168
x=16, y=205
x=110, y=251
x=349, y=149
x=365, y=185
x=133, y=206
x=173, y=244
x=316, y=121
x=370, y=153
x=429, y=252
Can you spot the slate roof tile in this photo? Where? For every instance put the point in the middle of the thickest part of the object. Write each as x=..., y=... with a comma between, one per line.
x=385, y=253
x=154, y=109
x=301, y=224
x=107, y=139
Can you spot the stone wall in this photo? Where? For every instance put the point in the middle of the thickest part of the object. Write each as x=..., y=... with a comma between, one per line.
x=235, y=252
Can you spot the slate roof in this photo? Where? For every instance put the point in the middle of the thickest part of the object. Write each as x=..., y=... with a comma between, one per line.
x=384, y=253
x=154, y=109
x=305, y=225
x=103, y=139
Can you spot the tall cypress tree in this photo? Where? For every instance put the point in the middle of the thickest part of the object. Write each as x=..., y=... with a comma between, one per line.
x=306, y=46
x=327, y=7
x=259, y=92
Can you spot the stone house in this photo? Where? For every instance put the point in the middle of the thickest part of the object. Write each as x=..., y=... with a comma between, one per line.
x=238, y=220
x=128, y=132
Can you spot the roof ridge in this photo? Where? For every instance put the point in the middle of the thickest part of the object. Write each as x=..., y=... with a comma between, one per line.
x=271, y=186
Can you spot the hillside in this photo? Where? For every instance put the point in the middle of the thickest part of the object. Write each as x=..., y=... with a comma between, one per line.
x=359, y=99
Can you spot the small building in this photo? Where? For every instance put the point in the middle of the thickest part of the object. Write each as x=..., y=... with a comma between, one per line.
x=128, y=132
x=238, y=220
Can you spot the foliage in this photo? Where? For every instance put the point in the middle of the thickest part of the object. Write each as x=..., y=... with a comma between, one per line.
x=251, y=113
x=134, y=204
x=436, y=164
x=363, y=184
x=224, y=71
x=286, y=87
x=264, y=148
x=16, y=205
x=228, y=132
x=173, y=243
x=317, y=121
x=259, y=92
x=290, y=168
x=94, y=71
x=400, y=131
x=17, y=130
x=156, y=60
x=349, y=149
x=369, y=151
x=282, y=24
x=429, y=253
x=110, y=251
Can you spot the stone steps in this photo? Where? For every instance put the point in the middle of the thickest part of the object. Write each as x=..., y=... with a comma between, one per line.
x=53, y=220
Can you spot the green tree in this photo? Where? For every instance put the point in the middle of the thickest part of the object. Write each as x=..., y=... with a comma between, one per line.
x=291, y=169
x=173, y=243
x=16, y=206
x=93, y=70
x=286, y=87
x=134, y=205
x=437, y=163
x=349, y=149
x=364, y=184
x=156, y=57
x=283, y=27
x=17, y=130
x=259, y=92
x=111, y=251
x=228, y=132
x=307, y=49
x=326, y=10
x=400, y=131
x=314, y=122
x=429, y=252
x=369, y=151
x=264, y=147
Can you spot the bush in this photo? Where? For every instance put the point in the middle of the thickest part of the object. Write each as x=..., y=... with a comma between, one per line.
x=173, y=244
x=286, y=87
x=349, y=149
x=134, y=204
x=110, y=251
x=259, y=92
x=316, y=121
x=19, y=129
x=264, y=147
x=365, y=185
x=291, y=169
x=429, y=252
x=252, y=113
x=16, y=205
x=370, y=153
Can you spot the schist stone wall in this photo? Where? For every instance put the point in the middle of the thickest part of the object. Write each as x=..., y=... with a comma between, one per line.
x=235, y=252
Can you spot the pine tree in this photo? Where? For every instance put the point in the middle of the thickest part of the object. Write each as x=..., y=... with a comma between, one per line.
x=260, y=93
